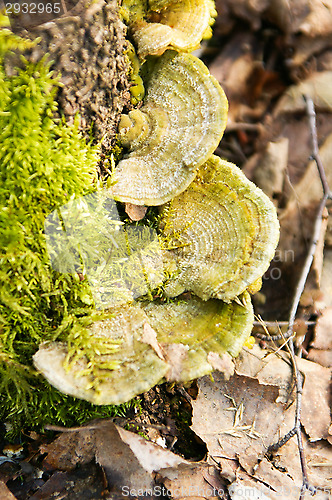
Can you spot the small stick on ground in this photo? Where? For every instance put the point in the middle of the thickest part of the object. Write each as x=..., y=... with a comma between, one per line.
x=275, y=324
x=296, y=300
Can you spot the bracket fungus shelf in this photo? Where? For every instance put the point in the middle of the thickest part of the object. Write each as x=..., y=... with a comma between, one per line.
x=223, y=231
x=228, y=231
x=172, y=24
x=216, y=235
x=176, y=130
x=156, y=342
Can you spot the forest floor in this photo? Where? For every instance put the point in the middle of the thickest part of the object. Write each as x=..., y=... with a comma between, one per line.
x=212, y=438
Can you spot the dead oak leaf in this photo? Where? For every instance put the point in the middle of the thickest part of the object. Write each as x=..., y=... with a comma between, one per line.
x=128, y=460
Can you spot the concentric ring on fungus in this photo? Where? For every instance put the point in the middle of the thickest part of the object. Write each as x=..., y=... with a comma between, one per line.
x=176, y=130
x=179, y=25
x=187, y=333
x=228, y=229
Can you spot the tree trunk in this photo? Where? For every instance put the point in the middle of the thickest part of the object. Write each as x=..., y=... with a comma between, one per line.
x=87, y=47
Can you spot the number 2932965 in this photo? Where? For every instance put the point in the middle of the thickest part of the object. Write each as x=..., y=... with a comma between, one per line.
x=32, y=8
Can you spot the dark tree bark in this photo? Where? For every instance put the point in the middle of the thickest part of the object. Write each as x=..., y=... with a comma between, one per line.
x=87, y=47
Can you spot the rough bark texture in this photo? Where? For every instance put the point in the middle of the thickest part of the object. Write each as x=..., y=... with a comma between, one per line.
x=87, y=47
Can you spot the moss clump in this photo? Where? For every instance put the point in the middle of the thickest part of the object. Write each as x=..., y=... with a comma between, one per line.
x=44, y=163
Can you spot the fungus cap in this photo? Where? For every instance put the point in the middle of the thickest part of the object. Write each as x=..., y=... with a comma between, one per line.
x=176, y=130
x=180, y=25
x=225, y=229
x=187, y=333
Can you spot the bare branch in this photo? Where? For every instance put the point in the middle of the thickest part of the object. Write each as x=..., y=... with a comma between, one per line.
x=296, y=430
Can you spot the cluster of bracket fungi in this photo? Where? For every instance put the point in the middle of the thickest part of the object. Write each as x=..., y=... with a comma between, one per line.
x=220, y=230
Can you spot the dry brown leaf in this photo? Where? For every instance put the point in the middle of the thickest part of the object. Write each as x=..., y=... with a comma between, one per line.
x=250, y=10
x=5, y=493
x=174, y=356
x=150, y=337
x=222, y=362
x=192, y=481
x=317, y=86
x=121, y=467
x=69, y=450
x=296, y=227
x=304, y=47
x=296, y=129
x=236, y=417
x=316, y=390
x=326, y=281
x=85, y=483
x=150, y=456
x=232, y=68
x=319, y=21
x=310, y=17
x=315, y=415
x=267, y=368
x=128, y=460
x=247, y=488
x=323, y=330
x=267, y=169
x=287, y=458
x=310, y=187
x=287, y=15
x=270, y=170
x=278, y=481
x=320, y=356
x=135, y=212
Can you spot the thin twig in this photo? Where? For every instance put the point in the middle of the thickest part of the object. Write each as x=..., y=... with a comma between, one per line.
x=296, y=300
x=253, y=127
x=315, y=149
x=275, y=324
x=307, y=264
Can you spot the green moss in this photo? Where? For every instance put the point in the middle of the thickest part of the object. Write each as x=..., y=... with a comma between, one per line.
x=137, y=89
x=44, y=163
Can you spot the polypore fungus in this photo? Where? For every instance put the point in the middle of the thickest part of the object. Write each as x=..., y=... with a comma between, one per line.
x=173, y=24
x=157, y=342
x=225, y=232
x=176, y=130
x=217, y=233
